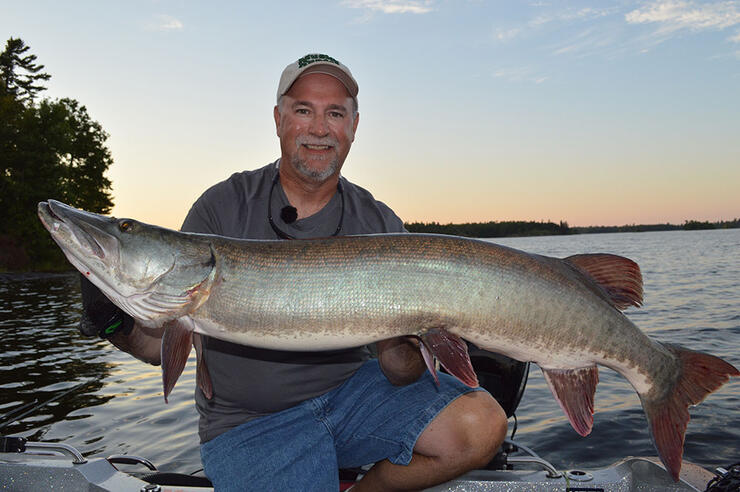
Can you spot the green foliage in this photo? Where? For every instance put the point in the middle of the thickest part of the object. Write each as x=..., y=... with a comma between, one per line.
x=728, y=224
x=49, y=149
x=695, y=225
x=627, y=228
x=492, y=229
x=521, y=228
x=689, y=225
x=12, y=63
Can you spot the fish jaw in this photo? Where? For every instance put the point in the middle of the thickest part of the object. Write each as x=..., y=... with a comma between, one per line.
x=153, y=274
x=86, y=240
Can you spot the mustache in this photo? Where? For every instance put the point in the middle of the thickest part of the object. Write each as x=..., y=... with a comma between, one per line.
x=307, y=140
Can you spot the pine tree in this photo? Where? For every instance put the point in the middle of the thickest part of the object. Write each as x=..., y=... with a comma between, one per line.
x=48, y=149
x=13, y=62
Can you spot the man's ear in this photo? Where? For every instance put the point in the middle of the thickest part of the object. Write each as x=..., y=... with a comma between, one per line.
x=276, y=115
x=354, y=125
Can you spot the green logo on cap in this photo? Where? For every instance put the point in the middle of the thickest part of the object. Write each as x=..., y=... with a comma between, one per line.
x=309, y=59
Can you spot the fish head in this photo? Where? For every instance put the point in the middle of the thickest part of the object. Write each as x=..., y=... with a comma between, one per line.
x=152, y=273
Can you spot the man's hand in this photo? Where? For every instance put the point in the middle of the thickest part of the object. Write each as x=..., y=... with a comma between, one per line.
x=143, y=343
x=99, y=315
x=400, y=360
x=103, y=318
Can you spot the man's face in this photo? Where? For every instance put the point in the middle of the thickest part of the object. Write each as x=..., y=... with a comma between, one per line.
x=316, y=126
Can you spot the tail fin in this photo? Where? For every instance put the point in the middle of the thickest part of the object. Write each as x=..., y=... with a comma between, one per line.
x=700, y=374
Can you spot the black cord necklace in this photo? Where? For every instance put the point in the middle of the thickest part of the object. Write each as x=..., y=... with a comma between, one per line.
x=284, y=235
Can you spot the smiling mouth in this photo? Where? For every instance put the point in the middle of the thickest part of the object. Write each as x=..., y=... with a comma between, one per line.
x=317, y=147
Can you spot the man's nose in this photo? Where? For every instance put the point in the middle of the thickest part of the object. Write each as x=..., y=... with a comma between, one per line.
x=319, y=125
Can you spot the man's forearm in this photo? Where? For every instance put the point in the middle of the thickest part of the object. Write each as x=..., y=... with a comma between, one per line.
x=143, y=343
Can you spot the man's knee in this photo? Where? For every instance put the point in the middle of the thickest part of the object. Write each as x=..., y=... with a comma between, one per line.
x=482, y=429
x=467, y=433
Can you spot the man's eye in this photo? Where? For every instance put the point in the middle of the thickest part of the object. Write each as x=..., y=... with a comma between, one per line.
x=301, y=111
x=336, y=114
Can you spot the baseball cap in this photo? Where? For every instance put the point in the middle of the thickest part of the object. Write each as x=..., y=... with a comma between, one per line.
x=317, y=63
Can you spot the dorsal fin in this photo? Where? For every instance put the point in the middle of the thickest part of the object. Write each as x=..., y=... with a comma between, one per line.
x=620, y=277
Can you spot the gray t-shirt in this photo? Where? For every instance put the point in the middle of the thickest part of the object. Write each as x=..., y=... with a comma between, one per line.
x=249, y=382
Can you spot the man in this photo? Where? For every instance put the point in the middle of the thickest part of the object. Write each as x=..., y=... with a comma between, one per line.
x=288, y=420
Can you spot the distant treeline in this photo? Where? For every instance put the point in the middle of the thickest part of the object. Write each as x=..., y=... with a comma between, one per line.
x=492, y=229
x=532, y=228
x=689, y=225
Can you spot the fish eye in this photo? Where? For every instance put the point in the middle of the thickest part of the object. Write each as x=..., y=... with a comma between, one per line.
x=125, y=225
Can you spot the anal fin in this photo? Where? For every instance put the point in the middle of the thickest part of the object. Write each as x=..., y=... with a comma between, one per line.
x=574, y=390
x=429, y=361
x=452, y=353
x=177, y=341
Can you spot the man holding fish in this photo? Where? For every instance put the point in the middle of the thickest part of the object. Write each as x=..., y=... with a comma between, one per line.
x=274, y=419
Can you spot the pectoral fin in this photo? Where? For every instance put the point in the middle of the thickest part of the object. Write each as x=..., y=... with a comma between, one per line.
x=177, y=342
x=452, y=353
x=429, y=361
x=574, y=390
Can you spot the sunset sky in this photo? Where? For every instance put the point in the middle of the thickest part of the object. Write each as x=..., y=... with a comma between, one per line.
x=595, y=113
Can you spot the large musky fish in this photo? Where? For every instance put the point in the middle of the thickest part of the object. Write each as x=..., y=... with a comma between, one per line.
x=565, y=315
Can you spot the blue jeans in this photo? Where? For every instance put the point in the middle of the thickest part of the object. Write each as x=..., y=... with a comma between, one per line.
x=363, y=421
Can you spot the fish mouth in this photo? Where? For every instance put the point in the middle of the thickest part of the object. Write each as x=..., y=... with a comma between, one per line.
x=48, y=218
x=68, y=225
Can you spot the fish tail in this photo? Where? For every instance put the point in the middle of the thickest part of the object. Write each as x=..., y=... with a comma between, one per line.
x=699, y=375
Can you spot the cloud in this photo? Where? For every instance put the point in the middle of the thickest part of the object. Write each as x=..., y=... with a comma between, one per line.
x=392, y=6
x=567, y=30
x=508, y=34
x=609, y=31
x=519, y=74
x=165, y=23
x=603, y=40
x=677, y=15
x=555, y=23
x=569, y=15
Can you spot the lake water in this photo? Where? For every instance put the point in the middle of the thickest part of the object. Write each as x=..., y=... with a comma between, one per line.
x=692, y=297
